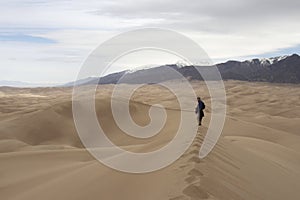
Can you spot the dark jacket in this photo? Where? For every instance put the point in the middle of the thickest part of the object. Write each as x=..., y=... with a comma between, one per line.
x=200, y=107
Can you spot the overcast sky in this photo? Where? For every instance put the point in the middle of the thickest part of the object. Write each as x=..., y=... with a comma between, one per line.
x=46, y=41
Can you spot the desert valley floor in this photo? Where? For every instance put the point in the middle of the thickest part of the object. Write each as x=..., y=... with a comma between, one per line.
x=257, y=156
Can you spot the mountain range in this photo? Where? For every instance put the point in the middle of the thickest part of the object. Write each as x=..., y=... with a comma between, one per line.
x=283, y=69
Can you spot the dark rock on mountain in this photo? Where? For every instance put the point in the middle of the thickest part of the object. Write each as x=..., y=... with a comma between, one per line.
x=275, y=70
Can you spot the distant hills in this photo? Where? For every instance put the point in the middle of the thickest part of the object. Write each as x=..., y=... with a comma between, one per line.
x=21, y=84
x=283, y=69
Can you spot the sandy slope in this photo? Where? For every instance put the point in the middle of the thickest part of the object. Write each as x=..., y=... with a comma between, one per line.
x=256, y=158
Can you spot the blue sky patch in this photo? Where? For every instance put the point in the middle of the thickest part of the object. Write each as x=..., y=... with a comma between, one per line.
x=281, y=52
x=25, y=38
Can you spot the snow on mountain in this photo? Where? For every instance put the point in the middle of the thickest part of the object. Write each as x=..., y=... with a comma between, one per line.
x=267, y=61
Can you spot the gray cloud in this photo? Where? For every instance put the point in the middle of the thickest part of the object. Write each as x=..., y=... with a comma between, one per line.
x=219, y=15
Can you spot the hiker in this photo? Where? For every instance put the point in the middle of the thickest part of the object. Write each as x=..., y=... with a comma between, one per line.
x=199, y=110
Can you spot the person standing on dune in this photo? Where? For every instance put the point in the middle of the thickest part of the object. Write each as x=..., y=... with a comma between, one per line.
x=199, y=110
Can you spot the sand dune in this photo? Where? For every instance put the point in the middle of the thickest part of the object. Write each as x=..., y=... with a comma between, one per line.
x=257, y=156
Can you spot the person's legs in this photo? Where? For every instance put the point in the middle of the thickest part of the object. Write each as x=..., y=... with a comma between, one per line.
x=201, y=115
x=200, y=120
